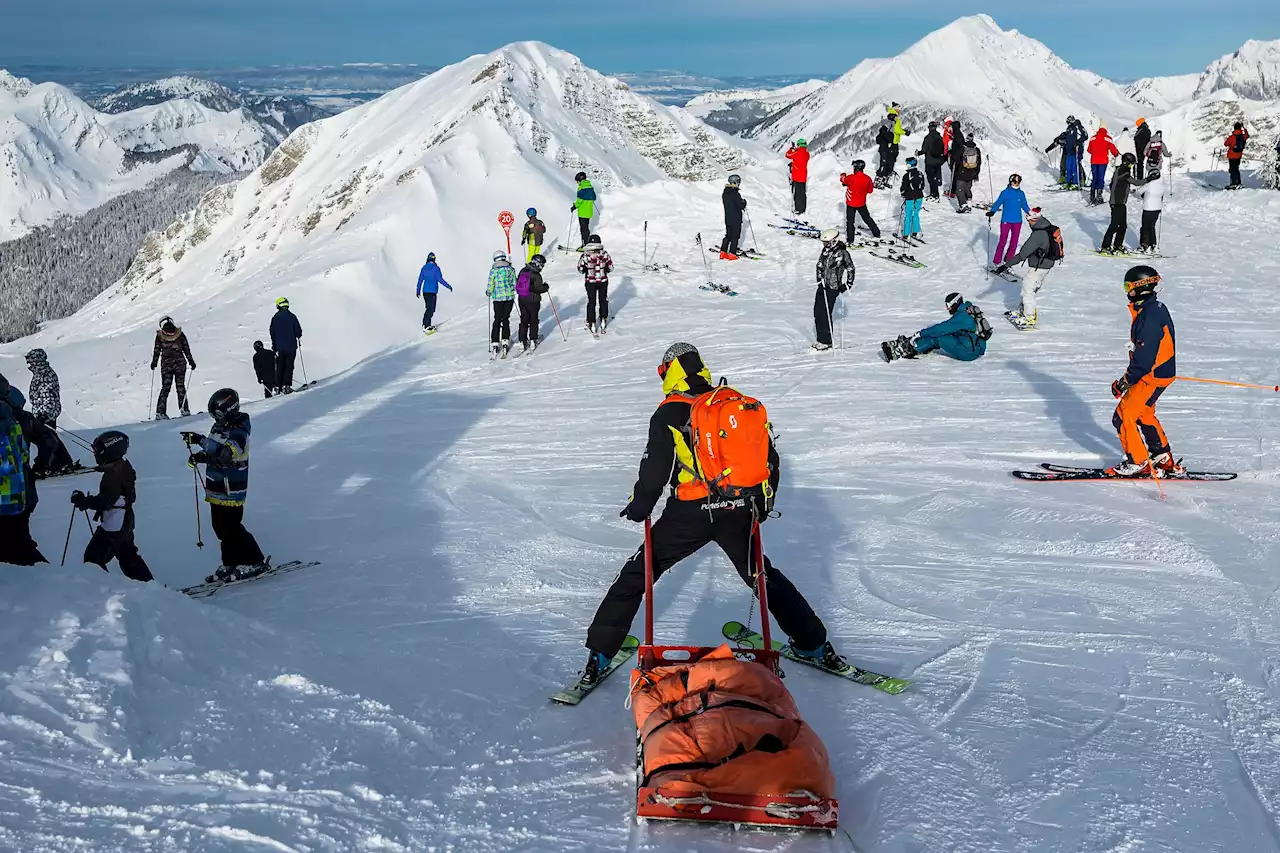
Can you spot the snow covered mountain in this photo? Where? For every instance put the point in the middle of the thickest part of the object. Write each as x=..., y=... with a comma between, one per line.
x=1251, y=72
x=1011, y=87
x=1196, y=130
x=734, y=110
x=1164, y=93
x=230, y=141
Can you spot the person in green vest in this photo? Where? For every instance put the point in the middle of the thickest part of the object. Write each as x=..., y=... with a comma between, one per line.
x=585, y=205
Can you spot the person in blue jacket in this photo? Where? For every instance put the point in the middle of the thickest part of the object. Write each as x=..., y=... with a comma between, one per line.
x=964, y=336
x=1073, y=145
x=1011, y=204
x=286, y=337
x=429, y=281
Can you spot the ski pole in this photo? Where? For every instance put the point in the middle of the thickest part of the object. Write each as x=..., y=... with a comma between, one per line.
x=302, y=359
x=67, y=544
x=84, y=444
x=644, y=253
x=987, y=266
x=755, y=244
x=557, y=313
x=151, y=395
x=1275, y=388
x=88, y=523
x=195, y=477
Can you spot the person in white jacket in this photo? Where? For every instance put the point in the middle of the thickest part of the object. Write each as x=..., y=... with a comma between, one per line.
x=1151, y=191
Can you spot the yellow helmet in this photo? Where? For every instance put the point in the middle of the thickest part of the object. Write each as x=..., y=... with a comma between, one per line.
x=282, y=302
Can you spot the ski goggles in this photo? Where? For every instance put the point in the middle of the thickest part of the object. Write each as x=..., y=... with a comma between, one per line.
x=662, y=370
x=1130, y=286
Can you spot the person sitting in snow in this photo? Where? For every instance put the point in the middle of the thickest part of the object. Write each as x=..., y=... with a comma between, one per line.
x=964, y=336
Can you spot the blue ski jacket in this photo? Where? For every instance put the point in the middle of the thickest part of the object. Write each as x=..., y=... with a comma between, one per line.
x=1012, y=204
x=962, y=331
x=430, y=279
x=225, y=453
x=285, y=331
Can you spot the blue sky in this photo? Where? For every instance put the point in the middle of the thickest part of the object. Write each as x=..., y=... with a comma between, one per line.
x=729, y=37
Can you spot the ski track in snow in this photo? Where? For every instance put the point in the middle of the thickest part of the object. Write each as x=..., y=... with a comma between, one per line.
x=1093, y=667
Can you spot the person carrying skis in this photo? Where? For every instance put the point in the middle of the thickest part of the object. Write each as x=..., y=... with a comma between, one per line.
x=113, y=509
x=529, y=290
x=856, y=189
x=970, y=168
x=734, y=205
x=1141, y=138
x=1011, y=204
x=429, y=281
x=1071, y=145
x=1152, y=369
x=934, y=151
x=1155, y=153
x=172, y=353
x=955, y=154
x=698, y=512
x=1042, y=250
x=963, y=337
x=264, y=367
x=286, y=339
x=585, y=206
x=45, y=399
x=532, y=234
x=225, y=455
x=912, y=191
x=798, y=154
x=501, y=292
x=1151, y=191
x=1121, y=185
x=1235, y=144
x=595, y=266
x=835, y=274
x=1101, y=150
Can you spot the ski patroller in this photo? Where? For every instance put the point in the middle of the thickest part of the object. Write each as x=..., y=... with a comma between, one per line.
x=1051, y=473
x=746, y=638
x=576, y=692
x=211, y=587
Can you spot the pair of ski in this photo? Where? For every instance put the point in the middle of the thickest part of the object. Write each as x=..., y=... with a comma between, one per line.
x=70, y=471
x=1051, y=473
x=749, y=254
x=718, y=288
x=1132, y=256
x=1011, y=277
x=900, y=258
x=796, y=231
x=873, y=243
x=210, y=587
x=744, y=637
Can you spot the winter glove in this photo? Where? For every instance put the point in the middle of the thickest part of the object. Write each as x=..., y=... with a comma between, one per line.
x=1119, y=387
x=78, y=499
x=153, y=365
x=447, y=286
x=990, y=213
x=192, y=438
x=193, y=365
x=632, y=513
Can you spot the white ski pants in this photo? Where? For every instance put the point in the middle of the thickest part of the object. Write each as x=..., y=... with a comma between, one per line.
x=1032, y=281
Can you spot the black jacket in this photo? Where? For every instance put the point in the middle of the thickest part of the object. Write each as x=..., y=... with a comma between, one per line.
x=934, y=153
x=264, y=365
x=913, y=184
x=835, y=270
x=734, y=204
x=118, y=480
x=1059, y=141
x=965, y=174
x=285, y=331
x=1141, y=137
x=884, y=137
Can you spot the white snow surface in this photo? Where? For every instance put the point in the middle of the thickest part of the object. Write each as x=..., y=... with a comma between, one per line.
x=228, y=141
x=1164, y=93
x=1251, y=72
x=1196, y=131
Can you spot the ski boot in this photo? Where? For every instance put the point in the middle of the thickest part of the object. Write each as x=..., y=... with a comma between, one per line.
x=820, y=347
x=1164, y=465
x=1129, y=468
x=524, y=347
x=162, y=416
x=604, y=325
x=506, y=348
x=825, y=656
x=493, y=350
x=253, y=569
x=728, y=256
x=223, y=574
x=596, y=665
x=186, y=412
x=902, y=347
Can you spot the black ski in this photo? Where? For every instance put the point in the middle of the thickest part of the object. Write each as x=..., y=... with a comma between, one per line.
x=905, y=260
x=70, y=471
x=208, y=588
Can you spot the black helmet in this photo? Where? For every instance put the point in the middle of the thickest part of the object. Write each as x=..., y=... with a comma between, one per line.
x=933, y=125
x=1071, y=119
x=1140, y=282
x=539, y=260
x=224, y=403
x=1015, y=178
x=1128, y=159
x=953, y=302
x=594, y=238
x=38, y=355
x=581, y=176
x=257, y=345
x=735, y=180
x=110, y=446
x=859, y=165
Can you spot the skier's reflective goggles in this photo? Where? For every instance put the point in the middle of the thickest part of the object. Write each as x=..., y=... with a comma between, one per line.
x=1151, y=279
x=662, y=370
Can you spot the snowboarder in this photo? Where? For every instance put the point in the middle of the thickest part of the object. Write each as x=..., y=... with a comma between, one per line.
x=955, y=154
x=1151, y=191
x=1155, y=153
x=113, y=508
x=1072, y=145
x=172, y=353
x=225, y=455
x=429, y=281
x=501, y=292
x=734, y=205
x=912, y=199
x=1141, y=137
x=1152, y=369
x=964, y=336
x=595, y=266
x=1121, y=185
x=1235, y=144
x=585, y=206
x=286, y=339
x=264, y=367
x=532, y=234
x=1011, y=204
x=1042, y=250
x=835, y=274
x=45, y=401
x=970, y=168
x=934, y=151
x=529, y=290
x=856, y=189
x=1101, y=150
x=798, y=154
x=695, y=515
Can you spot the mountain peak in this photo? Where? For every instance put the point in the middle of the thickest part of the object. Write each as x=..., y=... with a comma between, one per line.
x=1253, y=72
x=16, y=86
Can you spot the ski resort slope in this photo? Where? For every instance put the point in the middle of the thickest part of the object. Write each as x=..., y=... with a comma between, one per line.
x=1093, y=666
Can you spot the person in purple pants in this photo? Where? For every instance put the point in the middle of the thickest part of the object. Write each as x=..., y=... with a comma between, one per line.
x=1011, y=205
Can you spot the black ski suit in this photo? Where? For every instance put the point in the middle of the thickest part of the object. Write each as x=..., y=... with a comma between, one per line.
x=934, y=156
x=1141, y=137
x=835, y=274
x=1121, y=182
x=264, y=367
x=734, y=205
x=172, y=353
x=113, y=510
x=956, y=154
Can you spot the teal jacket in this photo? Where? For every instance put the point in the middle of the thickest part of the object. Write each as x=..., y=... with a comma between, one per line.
x=502, y=282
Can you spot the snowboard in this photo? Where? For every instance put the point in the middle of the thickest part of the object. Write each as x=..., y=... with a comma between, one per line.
x=576, y=692
x=904, y=260
x=1020, y=325
x=208, y=588
x=1064, y=473
x=718, y=288
x=746, y=638
x=71, y=471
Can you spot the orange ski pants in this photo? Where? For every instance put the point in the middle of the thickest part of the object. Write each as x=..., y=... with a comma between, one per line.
x=1141, y=435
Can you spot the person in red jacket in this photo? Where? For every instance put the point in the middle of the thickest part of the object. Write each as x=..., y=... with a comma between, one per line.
x=1101, y=150
x=856, y=189
x=1235, y=151
x=798, y=154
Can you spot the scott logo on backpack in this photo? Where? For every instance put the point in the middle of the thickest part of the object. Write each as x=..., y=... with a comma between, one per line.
x=731, y=438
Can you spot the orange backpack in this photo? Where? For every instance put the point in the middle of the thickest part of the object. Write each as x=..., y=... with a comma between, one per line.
x=731, y=434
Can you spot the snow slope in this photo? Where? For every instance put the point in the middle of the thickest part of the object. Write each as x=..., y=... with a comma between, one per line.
x=1164, y=93
x=1251, y=72
x=227, y=141
x=1094, y=667
x=1195, y=132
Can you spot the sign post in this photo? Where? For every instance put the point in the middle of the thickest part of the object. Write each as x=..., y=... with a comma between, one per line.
x=506, y=219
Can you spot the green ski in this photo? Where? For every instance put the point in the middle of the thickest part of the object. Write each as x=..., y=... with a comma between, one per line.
x=576, y=692
x=744, y=636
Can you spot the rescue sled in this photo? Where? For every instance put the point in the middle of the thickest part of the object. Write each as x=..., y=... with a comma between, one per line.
x=718, y=736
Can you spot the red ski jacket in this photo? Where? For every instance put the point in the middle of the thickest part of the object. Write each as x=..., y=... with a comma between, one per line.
x=857, y=187
x=799, y=158
x=1101, y=149
x=1235, y=144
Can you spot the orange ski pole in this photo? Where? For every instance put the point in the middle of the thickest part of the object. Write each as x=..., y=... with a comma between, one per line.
x=1226, y=382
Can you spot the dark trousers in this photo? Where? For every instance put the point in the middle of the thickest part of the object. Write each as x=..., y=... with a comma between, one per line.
x=597, y=294
x=16, y=545
x=683, y=529
x=1137, y=167
x=284, y=369
x=1233, y=167
x=529, y=308
x=429, y=299
x=1114, y=238
x=732, y=234
x=105, y=546
x=239, y=548
x=824, y=303
x=851, y=215
x=933, y=171
x=799, y=196
x=1147, y=233
x=169, y=377
x=955, y=166
x=584, y=228
x=964, y=192
x=53, y=453
x=501, y=329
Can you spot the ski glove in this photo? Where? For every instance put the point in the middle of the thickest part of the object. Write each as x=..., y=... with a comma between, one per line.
x=153, y=365
x=632, y=513
x=990, y=213
x=1119, y=387
x=78, y=500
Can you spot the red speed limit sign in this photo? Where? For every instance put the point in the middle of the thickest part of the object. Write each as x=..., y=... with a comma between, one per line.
x=506, y=219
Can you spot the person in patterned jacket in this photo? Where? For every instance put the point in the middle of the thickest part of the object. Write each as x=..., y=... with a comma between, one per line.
x=173, y=354
x=595, y=265
x=17, y=486
x=45, y=402
x=502, y=295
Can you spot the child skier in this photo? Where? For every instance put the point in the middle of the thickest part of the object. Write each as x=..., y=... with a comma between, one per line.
x=912, y=199
x=835, y=275
x=429, y=281
x=964, y=336
x=1151, y=191
x=225, y=454
x=532, y=233
x=172, y=353
x=529, y=290
x=1155, y=153
x=595, y=266
x=734, y=206
x=1042, y=250
x=1011, y=204
x=856, y=189
x=502, y=295
x=264, y=367
x=113, y=508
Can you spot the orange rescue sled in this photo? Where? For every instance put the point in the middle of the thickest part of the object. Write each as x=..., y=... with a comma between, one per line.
x=719, y=737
